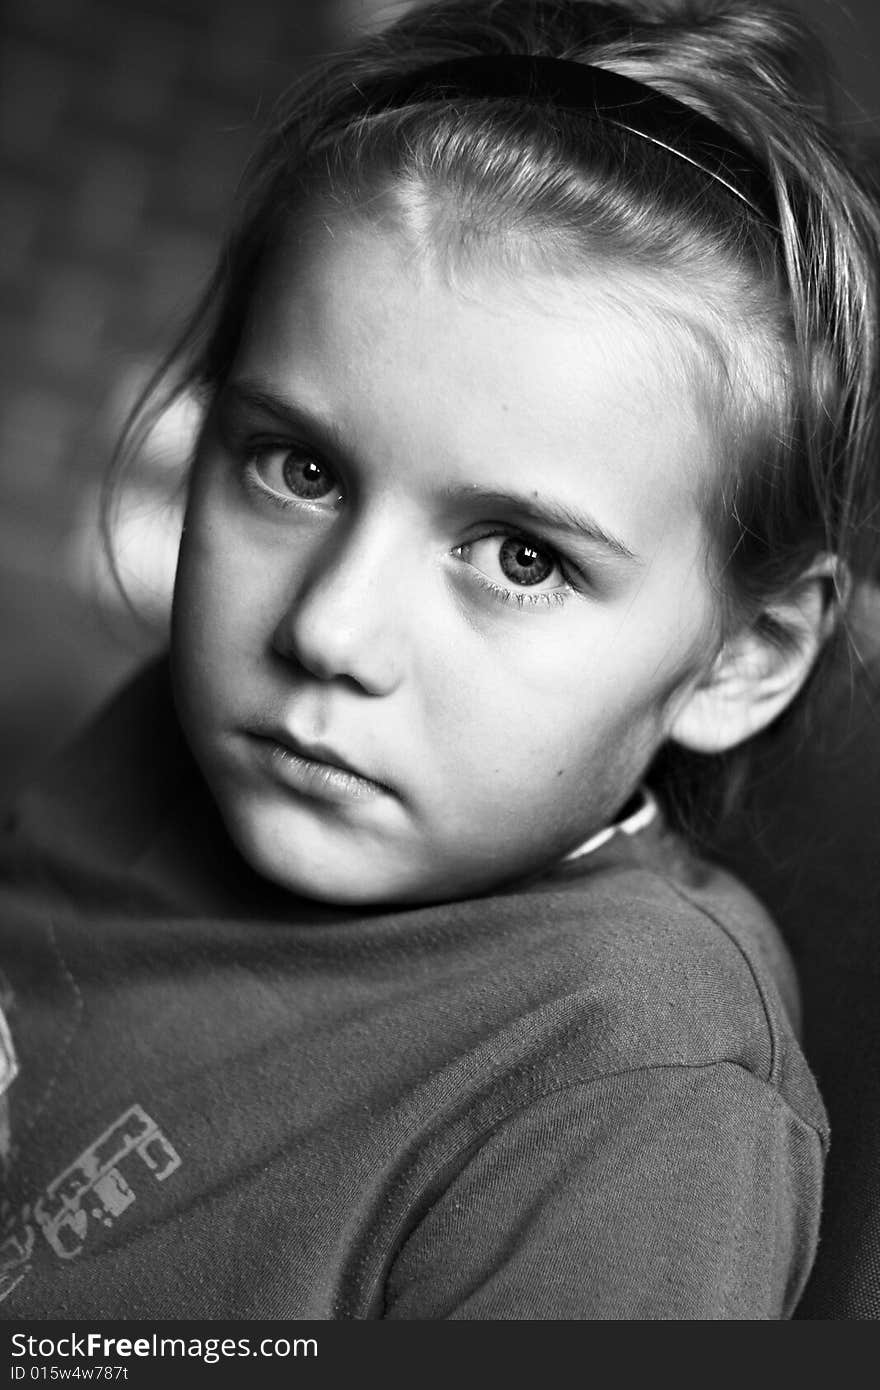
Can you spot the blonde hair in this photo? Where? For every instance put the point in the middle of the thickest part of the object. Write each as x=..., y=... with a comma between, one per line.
x=787, y=330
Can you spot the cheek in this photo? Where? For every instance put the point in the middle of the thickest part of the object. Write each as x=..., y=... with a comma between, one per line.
x=541, y=707
x=225, y=591
x=534, y=771
x=568, y=694
x=214, y=621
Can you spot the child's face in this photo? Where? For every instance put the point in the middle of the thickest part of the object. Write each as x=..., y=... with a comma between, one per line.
x=443, y=583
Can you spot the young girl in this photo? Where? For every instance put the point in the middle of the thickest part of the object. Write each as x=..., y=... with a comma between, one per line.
x=354, y=968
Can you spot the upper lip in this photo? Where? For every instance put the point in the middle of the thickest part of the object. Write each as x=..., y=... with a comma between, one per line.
x=316, y=752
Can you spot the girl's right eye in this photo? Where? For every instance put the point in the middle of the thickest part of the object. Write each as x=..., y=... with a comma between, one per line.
x=292, y=475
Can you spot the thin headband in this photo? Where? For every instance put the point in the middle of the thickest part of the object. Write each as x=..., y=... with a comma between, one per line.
x=620, y=101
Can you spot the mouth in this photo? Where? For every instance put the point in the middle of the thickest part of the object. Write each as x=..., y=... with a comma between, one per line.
x=314, y=770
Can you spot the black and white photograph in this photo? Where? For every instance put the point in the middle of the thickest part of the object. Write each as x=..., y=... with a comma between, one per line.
x=440, y=695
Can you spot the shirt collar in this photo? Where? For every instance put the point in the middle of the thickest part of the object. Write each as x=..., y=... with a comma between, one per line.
x=639, y=813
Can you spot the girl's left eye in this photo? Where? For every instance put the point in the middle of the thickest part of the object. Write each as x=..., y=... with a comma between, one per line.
x=515, y=561
x=292, y=474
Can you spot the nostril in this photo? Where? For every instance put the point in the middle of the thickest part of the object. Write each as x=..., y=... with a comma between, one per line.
x=340, y=619
x=333, y=637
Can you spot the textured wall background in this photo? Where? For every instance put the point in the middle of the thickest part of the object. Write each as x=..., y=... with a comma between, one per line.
x=123, y=125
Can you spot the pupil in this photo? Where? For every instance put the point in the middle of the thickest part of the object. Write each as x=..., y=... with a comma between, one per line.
x=306, y=478
x=523, y=563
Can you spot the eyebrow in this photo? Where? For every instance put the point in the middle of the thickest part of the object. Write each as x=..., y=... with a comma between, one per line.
x=542, y=512
x=545, y=513
x=255, y=396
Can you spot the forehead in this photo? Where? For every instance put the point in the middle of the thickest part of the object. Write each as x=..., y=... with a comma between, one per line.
x=572, y=383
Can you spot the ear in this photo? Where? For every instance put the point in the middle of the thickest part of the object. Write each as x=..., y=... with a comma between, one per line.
x=760, y=669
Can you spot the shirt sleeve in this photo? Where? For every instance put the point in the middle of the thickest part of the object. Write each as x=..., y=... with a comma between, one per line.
x=676, y=1192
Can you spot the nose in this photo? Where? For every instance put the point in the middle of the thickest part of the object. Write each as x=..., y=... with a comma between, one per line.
x=343, y=620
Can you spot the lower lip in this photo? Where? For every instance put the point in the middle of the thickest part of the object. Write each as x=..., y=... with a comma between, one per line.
x=323, y=781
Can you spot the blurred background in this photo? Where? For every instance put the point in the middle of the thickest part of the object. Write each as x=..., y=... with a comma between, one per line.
x=123, y=127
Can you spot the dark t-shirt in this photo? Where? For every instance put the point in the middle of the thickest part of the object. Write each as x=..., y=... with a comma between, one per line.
x=581, y=1097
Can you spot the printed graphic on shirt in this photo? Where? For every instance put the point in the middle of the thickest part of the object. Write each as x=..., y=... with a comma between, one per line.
x=8, y=1073
x=93, y=1189
x=8, y=1063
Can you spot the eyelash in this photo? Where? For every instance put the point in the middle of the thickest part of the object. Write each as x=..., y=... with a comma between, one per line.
x=252, y=483
x=523, y=598
x=252, y=451
x=556, y=598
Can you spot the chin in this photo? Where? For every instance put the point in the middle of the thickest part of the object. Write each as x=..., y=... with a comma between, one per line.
x=365, y=882
x=335, y=864
x=313, y=870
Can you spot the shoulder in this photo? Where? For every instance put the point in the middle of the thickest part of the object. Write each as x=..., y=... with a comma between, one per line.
x=650, y=1138
x=660, y=960
x=87, y=818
